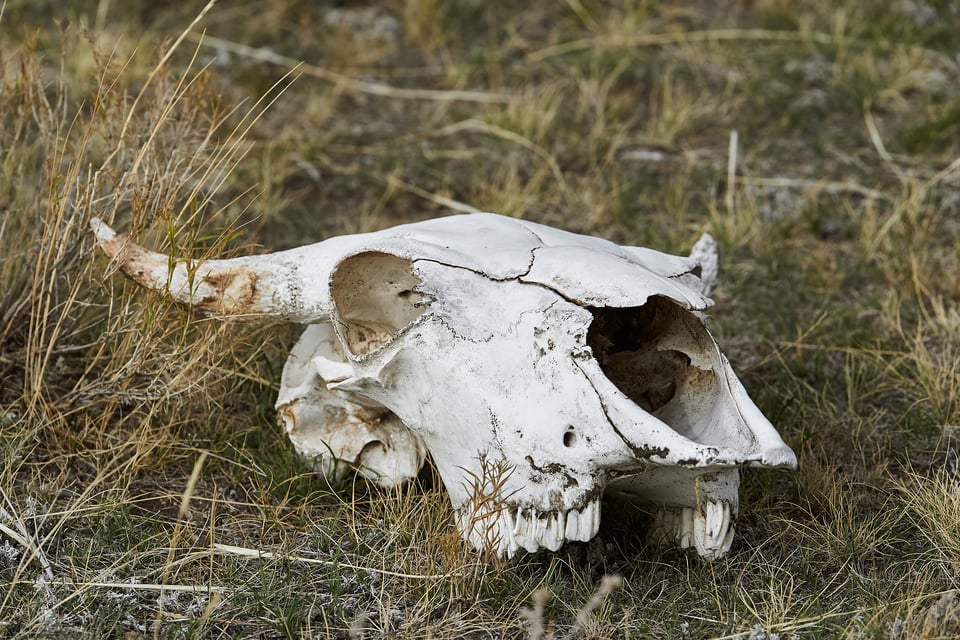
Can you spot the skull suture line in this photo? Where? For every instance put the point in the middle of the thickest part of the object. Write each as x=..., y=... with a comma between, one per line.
x=569, y=365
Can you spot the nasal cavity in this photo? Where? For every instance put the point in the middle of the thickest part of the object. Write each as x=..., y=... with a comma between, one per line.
x=626, y=344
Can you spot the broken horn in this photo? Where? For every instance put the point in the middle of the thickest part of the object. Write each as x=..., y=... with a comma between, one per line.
x=286, y=284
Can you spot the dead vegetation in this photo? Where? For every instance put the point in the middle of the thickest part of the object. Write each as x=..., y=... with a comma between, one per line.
x=145, y=487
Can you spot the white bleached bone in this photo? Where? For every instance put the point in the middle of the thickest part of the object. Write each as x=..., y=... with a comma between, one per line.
x=540, y=369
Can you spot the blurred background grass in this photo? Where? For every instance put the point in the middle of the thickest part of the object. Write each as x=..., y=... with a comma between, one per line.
x=136, y=438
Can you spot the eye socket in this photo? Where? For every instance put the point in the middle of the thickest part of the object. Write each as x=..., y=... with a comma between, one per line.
x=662, y=358
x=625, y=343
x=375, y=298
x=570, y=437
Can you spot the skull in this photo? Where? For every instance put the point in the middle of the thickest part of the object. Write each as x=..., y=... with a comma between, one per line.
x=540, y=369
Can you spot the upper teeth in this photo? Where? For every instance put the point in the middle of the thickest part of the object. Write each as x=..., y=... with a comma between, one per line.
x=510, y=528
x=707, y=527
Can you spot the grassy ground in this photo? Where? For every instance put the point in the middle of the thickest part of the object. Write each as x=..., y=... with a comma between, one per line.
x=139, y=452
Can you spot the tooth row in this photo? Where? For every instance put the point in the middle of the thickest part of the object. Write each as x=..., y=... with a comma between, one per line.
x=709, y=529
x=514, y=528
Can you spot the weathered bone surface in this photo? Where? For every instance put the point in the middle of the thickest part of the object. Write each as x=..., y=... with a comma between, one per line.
x=540, y=369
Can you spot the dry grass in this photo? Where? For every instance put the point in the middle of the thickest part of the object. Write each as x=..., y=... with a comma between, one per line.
x=145, y=487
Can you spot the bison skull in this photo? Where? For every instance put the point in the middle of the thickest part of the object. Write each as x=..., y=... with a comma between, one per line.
x=540, y=369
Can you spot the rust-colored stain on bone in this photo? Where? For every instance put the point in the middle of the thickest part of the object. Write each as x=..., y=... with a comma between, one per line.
x=235, y=289
x=236, y=292
x=134, y=260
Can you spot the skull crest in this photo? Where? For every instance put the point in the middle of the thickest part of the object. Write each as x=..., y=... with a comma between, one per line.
x=540, y=370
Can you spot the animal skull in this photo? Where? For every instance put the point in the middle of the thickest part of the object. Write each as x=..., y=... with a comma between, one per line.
x=540, y=369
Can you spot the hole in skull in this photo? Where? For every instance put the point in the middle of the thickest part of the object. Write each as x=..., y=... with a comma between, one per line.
x=625, y=342
x=662, y=358
x=569, y=437
x=371, y=449
x=375, y=298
